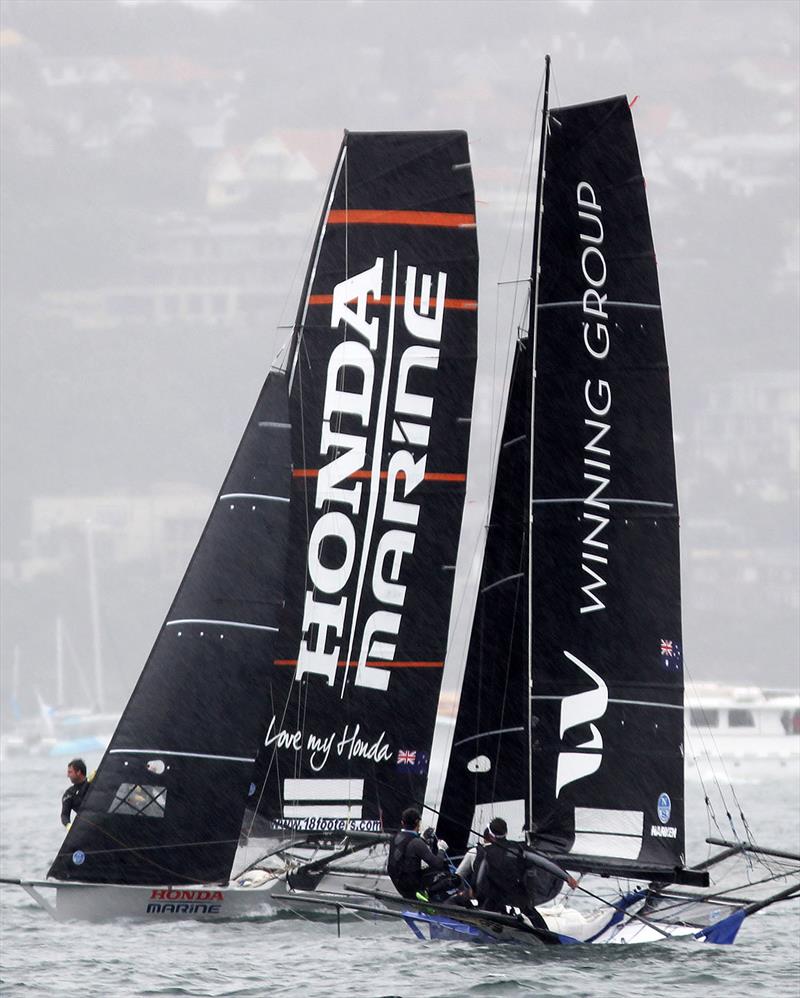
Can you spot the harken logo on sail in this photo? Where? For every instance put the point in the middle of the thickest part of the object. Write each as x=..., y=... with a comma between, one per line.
x=664, y=811
x=379, y=393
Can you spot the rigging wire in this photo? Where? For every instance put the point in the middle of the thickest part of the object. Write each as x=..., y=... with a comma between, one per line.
x=706, y=736
x=525, y=175
x=512, y=629
x=302, y=258
x=720, y=895
x=178, y=877
x=511, y=351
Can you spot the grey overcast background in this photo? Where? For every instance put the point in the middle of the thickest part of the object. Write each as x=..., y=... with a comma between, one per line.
x=163, y=164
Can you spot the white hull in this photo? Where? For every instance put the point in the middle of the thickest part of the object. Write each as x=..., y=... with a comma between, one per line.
x=756, y=757
x=101, y=902
x=743, y=729
x=76, y=901
x=582, y=929
x=635, y=932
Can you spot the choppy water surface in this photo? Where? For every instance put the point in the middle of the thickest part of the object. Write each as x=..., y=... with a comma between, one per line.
x=288, y=956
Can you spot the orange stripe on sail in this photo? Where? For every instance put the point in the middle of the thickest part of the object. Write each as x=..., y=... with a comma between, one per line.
x=430, y=476
x=387, y=665
x=372, y=216
x=461, y=304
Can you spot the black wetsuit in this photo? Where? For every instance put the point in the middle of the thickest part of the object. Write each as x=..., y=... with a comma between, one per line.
x=499, y=876
x=407, y=853
x=502, y=872
x=71, y=800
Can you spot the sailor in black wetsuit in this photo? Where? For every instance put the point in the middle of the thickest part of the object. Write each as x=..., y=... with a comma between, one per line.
x=500, y=870
x=408, y=851
x=73, y=796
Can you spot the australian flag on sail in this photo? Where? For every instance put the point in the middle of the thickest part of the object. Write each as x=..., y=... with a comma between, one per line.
x=671, y=656
x=412, y=761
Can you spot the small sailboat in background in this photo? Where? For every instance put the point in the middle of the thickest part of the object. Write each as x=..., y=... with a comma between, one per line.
x=61, y=727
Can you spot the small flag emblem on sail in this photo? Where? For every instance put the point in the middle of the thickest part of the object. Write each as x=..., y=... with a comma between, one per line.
x=412, y=761
x=670, y=654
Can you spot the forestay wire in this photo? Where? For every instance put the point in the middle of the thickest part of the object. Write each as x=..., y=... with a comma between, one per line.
x=706, y=737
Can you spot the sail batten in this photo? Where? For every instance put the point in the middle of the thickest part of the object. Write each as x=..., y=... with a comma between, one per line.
x=611, y=304
x=190, y=755
x=221, y=623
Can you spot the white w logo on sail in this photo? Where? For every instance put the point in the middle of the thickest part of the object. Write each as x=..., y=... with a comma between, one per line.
x=576, y=709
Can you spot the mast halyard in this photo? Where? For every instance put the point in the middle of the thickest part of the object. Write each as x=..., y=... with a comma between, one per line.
x=533, y=326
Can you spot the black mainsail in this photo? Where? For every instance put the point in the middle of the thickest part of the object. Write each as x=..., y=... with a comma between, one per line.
x=297, y=675
x=381, y=396
x=570, y=717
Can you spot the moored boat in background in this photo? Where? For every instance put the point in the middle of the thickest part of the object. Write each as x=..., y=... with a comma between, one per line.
x=746, y=730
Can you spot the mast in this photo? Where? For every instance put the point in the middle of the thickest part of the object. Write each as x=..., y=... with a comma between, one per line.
x=533, y=326
x=59, y=661
x=95, y=617
x=302, y=308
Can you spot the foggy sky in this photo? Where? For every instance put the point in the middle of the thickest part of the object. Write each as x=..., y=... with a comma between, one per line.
x=129, y=127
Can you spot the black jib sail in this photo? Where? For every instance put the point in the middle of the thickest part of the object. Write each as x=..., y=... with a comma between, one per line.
x=381, y=395
x=487, y=774
x=603, y=728
x=167, y=801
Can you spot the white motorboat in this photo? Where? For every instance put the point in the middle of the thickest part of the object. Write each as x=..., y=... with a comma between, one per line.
x=744, y=730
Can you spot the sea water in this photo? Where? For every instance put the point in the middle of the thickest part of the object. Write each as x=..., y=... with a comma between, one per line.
x=288, y=955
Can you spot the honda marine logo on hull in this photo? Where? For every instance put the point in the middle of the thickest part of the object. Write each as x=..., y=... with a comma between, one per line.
x=378, y=396
x=170, y=894
x=170, y=901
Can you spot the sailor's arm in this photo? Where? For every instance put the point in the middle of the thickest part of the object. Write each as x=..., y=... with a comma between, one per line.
x=465, y=866
x=66, y=807
x=421, y=850
x=536, y=859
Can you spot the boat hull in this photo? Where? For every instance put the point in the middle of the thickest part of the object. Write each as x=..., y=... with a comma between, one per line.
x=250, y=897
x=101, y=902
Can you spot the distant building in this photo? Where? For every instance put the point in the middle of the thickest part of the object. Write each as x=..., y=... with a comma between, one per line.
x=741, y=529
x=749, y=430
x=194, y=270
x=161, y=528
